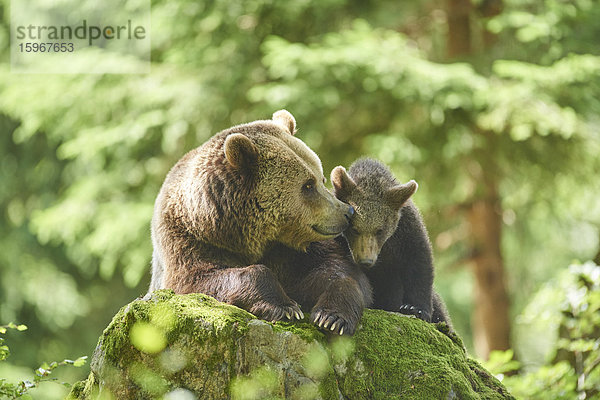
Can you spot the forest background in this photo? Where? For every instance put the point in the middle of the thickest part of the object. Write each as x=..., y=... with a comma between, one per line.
x=492, y=106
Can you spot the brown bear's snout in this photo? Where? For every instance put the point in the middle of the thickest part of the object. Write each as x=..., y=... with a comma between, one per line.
x=337, y=217
x=367, y=262
x=365, y=250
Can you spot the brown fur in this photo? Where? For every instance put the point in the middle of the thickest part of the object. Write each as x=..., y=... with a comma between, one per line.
x=388, y=238
x=325, y=280
x=228, y=203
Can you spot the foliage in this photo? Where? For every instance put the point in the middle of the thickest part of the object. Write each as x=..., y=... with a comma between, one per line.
x=42, y=374
x=572, y=368
x=83, y=156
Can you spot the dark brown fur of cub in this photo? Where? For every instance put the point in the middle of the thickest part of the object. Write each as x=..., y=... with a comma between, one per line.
x=388, y=238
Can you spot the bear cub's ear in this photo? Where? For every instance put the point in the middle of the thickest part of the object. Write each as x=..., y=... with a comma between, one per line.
x=240, y=151
x=343, y=184
x=287, y=120
x=397, y=196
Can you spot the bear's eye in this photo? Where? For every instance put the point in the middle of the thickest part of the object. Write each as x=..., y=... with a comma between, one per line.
x=309, y=186
x=379, y=232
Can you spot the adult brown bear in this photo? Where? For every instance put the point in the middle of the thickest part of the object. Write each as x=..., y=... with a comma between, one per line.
x=251, y=195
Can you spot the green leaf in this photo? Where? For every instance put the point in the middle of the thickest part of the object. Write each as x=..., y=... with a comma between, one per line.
x=80, y=361
x=42, y=372
x=28, y=384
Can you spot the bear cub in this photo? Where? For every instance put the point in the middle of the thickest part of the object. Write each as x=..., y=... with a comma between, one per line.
x=388, y=238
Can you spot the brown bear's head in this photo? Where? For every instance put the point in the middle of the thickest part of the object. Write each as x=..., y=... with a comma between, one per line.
x=288, y=194
x=377, y=212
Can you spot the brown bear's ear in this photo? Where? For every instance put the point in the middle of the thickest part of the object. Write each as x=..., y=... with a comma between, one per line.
x=343, y=184
x=240, y=151
x=283, y=117
x=397, y=196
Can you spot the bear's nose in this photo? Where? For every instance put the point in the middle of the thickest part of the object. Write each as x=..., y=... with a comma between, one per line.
x=367, y=262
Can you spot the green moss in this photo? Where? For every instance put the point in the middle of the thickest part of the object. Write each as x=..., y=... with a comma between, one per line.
x=76, y=391
x=426, y=363
x=190, y=310
x=304, y=329
x=207, y=345
x=83, y=390
x=445, y=329
x=184, y=321
x=328, y=387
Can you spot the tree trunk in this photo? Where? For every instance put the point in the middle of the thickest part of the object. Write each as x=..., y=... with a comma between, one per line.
x=488, y=9
x=491, y=323
x=459, y=28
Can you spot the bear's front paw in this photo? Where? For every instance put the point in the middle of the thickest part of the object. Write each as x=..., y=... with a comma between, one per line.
x=409, y=309
x=276, y=312
x=332, y=321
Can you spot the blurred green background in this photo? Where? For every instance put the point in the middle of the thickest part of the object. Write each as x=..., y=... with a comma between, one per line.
x=492, y=106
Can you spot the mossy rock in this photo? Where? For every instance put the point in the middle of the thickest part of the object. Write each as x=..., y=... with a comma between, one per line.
x=191, y=346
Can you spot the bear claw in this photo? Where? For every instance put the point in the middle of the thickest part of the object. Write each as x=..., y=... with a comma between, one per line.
x=331, y=322
x=409, y=309
x=273, y=312
x=317, y=318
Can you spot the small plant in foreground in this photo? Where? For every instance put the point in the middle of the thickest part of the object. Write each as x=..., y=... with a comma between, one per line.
x=41, y=374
